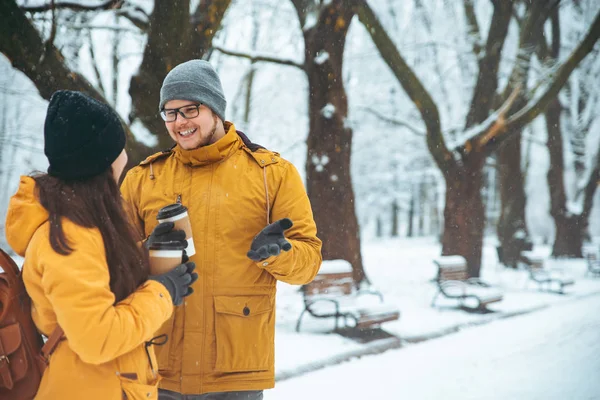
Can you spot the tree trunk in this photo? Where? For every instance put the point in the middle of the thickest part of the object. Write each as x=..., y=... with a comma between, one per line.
x=44, y=64
x=512, y=229
x=464, y=214
x=378, y=227
x=421, y=209
x=570, y=228
x=410, y=232
x=570, y=233
x=395, y=215
x=329, y=182
x=174, y=37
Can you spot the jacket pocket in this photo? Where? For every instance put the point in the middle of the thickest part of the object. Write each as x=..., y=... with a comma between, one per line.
x=133, y=390
x=164, y=360
x=244, y=333
x=14, y=363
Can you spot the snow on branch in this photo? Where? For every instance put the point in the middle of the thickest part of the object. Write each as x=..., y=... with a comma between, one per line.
x=536, y=107
x=259, y=58
x=136, y=15
x=499, y=125
x=476, y=137
x=75, y=6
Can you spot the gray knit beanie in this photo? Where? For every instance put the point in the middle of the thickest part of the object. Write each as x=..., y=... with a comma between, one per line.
x=194, y=80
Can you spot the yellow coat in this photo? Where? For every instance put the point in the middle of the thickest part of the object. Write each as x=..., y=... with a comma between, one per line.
x=222, y=338
x=105, y=343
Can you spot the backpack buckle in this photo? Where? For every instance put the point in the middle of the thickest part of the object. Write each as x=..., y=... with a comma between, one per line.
x=4, y=359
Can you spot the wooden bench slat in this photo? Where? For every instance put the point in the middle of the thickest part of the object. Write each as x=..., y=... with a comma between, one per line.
x=339, y=287
x=454, y=268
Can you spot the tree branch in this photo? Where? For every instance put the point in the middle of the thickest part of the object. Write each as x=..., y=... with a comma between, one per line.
x=259, y=58
x=107, y=5
x=393, y=121
x=23, y=46
x=174, y=36
x=474, y=32
x=306, y=9
x=487, y=79
x=530, y=112
x=590, y=190
x=133, y=15
x=529, y=37
x=499, y=124
x=95, y=65
x=409, y=82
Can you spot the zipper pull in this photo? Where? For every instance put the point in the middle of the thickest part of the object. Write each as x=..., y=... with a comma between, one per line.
x=179, y=199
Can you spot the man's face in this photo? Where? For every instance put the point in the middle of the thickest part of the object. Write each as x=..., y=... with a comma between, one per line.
x=194, y=132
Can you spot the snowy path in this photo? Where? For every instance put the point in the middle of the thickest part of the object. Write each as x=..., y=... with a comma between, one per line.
x=550, y=354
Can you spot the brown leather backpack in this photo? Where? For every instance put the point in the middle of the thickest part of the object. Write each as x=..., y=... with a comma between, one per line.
x=23, y=354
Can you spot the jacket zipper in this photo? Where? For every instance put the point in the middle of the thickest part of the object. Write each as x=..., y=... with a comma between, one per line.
x=178, y=199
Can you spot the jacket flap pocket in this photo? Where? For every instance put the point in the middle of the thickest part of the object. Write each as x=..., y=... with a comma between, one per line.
x=10, y=336
x=243, y=306
x=133, y=390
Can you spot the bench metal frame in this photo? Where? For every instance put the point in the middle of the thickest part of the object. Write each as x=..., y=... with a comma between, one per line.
x=539, y=275
x=593, y=265
x=461, y=283
x=346, y=291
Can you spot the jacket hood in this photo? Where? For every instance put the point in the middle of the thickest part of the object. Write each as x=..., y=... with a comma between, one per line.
x=25, y=215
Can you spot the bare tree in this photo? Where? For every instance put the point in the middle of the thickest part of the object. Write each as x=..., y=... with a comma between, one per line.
x=329, y=183
x=486, y=130
x=175, y=34
x=571, y=222
x=512, y=228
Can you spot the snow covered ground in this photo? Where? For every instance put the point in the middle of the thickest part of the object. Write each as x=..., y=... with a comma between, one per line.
x=403, y=270
x=549, y=354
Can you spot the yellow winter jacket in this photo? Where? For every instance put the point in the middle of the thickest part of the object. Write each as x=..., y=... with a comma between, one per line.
x=222, y=337
x=104, y=355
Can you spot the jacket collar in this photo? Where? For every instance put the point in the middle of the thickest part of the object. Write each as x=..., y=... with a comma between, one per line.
x=212, y=153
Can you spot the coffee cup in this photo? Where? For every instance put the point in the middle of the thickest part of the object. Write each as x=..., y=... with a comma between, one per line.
x=164, y=257
x=178, y=214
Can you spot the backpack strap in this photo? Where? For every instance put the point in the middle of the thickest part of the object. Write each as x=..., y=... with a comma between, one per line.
x=9, y=266
x=12, y=270
x=52, y=343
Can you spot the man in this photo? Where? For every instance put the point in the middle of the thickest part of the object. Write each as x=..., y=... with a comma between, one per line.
x=252, y=225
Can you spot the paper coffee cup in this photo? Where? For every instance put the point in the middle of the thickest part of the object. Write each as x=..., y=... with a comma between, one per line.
x=178, y=214
x=163, y=257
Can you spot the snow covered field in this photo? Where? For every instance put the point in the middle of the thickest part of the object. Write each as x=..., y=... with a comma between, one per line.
x=403, y=270
x=549, y=354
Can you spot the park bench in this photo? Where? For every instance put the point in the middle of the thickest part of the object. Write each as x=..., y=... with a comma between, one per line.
x=453, y=282
x=332, y=295
x=593, y=264
x=545, y=279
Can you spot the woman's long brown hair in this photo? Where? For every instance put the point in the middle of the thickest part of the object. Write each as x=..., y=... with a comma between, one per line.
x=95, y=203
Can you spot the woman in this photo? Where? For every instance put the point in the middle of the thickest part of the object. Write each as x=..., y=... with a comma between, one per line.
x=83, y=268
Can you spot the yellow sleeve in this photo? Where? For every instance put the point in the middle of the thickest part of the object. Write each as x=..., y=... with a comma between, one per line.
x=78, y=288
x=299, y=265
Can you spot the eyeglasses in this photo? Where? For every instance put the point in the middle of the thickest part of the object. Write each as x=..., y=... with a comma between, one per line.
x=187, y=112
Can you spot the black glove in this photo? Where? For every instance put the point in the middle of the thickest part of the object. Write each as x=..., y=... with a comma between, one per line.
x=270, y=241
x=178, y=281
x=164, y=233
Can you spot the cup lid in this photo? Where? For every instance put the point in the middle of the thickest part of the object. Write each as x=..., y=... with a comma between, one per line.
x=168, y=246
x=171, y=210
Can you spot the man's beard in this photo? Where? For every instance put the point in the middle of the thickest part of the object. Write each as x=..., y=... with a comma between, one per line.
x=212, y=133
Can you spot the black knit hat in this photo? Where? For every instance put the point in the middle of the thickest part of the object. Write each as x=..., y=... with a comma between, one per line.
x=83, y=136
